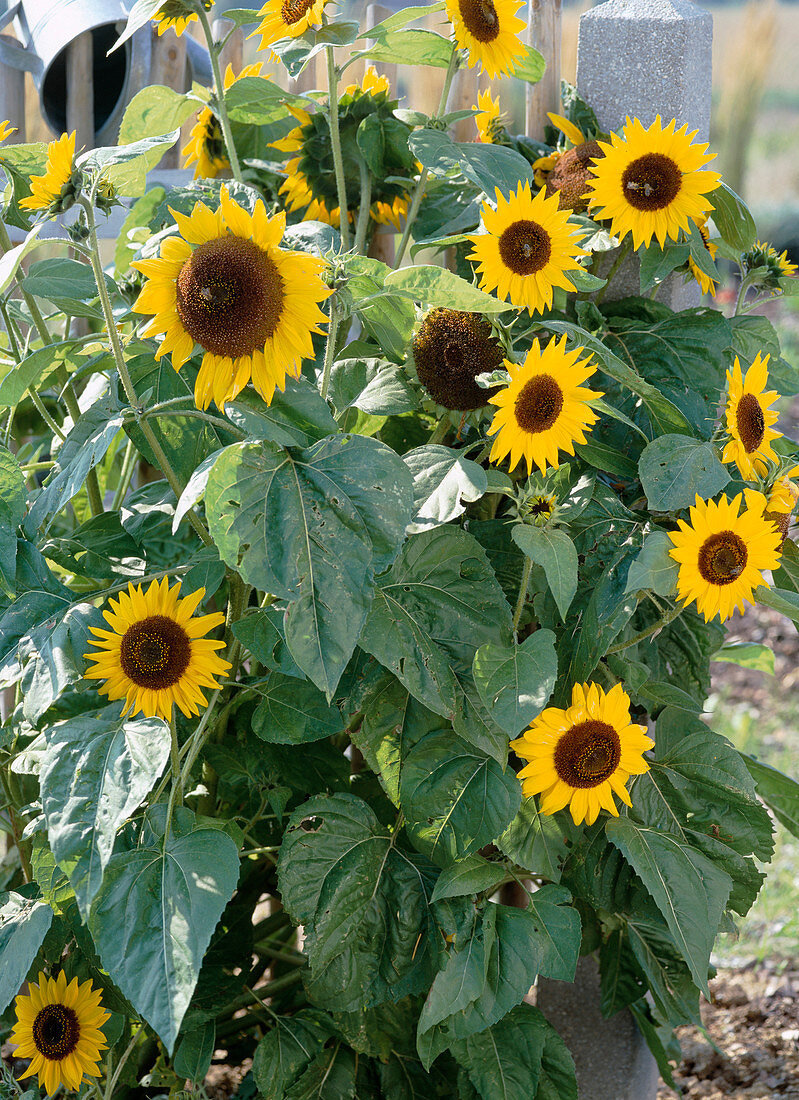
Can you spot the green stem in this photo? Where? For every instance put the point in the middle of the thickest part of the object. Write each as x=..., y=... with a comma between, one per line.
x=111, y=1083
x=745, y=284
x=669, y=617
x=220, y=107
x=128, y=466
x=523, y=586
x=196, y=414
x=365, y=207
x=175, y=756
x=421, y=184
x=127, y=382
x=45, y=415
x=335, y=141
x=440, y=431
x=624, y=252
x=330, y=347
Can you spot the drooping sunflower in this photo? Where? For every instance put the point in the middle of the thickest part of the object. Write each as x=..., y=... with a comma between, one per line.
x=750, y=418
x=58, y=1028
x=784, y=493
x=205, y=148
x=46, y=189
x=706, y=284
x=650, y=182
x=764, y=255
x=227, y=286
x=156, y=653
x=450, y=349
x=723, y=555
x=488, y=119
x=6, y=130
x=176, y=15
x=489, y=31
x=310, y=184
x=581, y=756
x=527, y=250
x=287, y=19
x=545, y=409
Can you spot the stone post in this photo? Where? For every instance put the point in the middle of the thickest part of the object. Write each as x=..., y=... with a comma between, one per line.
x=645, y=58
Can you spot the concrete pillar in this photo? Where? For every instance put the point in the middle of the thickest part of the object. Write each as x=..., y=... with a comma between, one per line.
x=611, y=1057
x=645, y=58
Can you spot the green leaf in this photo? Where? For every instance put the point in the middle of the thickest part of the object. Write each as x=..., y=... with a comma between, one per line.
x=674, y=469
x=778, y=791
x=455, y=799
x=288, y=1049
x=654, y=567
x=341, y=508
x=13, y=500
x=436, y=286
x=444, y=482
x=504, y=1061
x=292, y=712
x=436, y=606
x=733, y=220
x=516, y=682
x=399, y=19
x=156, y=911
x=195, y=1051
x=10, y=261
x=411, y=47
x=752, y=655
x=362, y=900
x=531, y=67
x=657, y=262
x=689, y=889
x=34, y=368
x=538, y=842
x=260, y=630
x=96, y=772
x=52, y=654
x=557, y=1079
x=374, y=386
x=471, y=875
x=609, y=610
x=554, y=551
x=23, y=926
x=487, y=166
x=67, y=283
x=126, y=165
x=297, y=417
x=331, y=1076
x=388, y=318
x=779, y=599
x=141, y=12
x=256, y=101
x=558, y=932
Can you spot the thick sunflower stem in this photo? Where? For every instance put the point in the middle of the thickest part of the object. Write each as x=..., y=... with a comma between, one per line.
x=127, y=382
x=642, y=635
x=114, y=1077
x=219, y=89
x=330, y=347
x=335, y=141
x=363, y=211
x=742, y=291
x=624, y=252
x=524, y=584
x=125, y=477
x=175, y=756
x=440, y=431
x=419, y=189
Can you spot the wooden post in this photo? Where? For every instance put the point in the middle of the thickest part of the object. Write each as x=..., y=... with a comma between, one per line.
x=80, y=90
x=376, y=13
x=168, y=67
x=233, y=51
x=12, y=92
x=544, y=32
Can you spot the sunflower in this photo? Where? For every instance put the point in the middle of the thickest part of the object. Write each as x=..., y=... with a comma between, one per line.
x=706, y=284
x=581, y=756
x=722, y=555
x=47, y=189
x=287, y=19
x=176, y=15
x=783, y=494
x=489, y=31
x=777, y=266
x=58, y=1028
x=250, y=305
x=527, y=249
x=545, y=409
x=6, y=130
x=450, y=349
x=488, y=119
x=749, y=419
x=649, y=182
x=206, y=145
x=155, y=653
x=537, y=509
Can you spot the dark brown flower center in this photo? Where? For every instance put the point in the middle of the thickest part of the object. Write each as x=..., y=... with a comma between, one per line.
x=213, y=139
x=480, y=18
x=538, y=404
x=230, y=296
x=525, y=247
x=450, y=349
x=292, y=11
x=570, y=176
x=56, y=1032
x=587, y=754
x=155, y=652
x=750, y=421
x=722, y=558
x=542, y=506
x=651, y=182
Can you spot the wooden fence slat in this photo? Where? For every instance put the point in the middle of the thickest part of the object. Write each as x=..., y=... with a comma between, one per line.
x=80, y=90
x=544, y=32
x=168, y=66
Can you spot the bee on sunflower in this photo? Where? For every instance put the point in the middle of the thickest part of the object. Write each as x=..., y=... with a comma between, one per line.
x=527, y=250
x=489, y=31
x=226, y=285
x=582, y=755
x=650, y=182
x=310, y=183
x=723, y=553
x=545, y=409
x=749, y=419
x=58, y=1027
x=205, y=148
